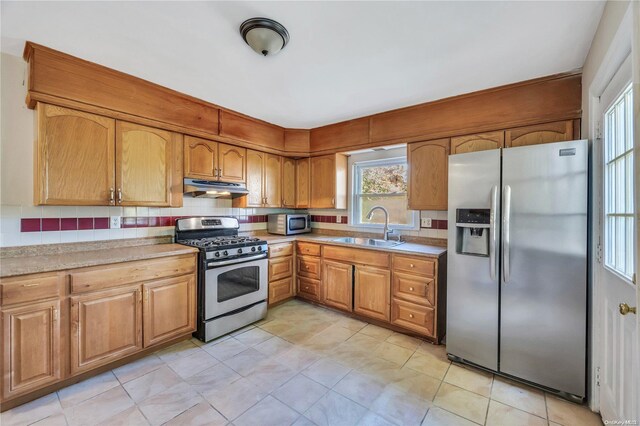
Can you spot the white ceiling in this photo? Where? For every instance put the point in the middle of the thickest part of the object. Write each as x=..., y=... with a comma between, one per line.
x=344, y=60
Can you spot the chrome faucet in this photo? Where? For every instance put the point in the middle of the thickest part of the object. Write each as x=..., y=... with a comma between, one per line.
x=386, y=220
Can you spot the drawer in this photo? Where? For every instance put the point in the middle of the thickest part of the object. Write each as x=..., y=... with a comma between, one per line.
x=100, y=277
x=280, y=290
x=280, y=250
x=310, y=249
x=415, y=265
x=30, y=288
x=349, y=255
x=308, y=267
x=308, y=288
x=414, y=288
x=420, y=319
x=280, y=267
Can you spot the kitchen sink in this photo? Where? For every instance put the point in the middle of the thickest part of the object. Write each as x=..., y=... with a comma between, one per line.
x=371, y=242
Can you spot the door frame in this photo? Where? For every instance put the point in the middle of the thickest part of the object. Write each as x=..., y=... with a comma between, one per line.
x=619, y=49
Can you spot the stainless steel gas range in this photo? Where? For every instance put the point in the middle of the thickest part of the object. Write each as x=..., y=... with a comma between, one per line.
x=232, y=274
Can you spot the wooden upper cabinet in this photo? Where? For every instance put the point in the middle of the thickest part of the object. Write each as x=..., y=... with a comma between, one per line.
x=337, y=279
x=340, y=136
x=272, y=181
x=303, y=183
x=231, y=163
x=479, y=142
x=372, y=292
x=296, y=141
x=329, y=182
x=288, y=182
x=541, y=133
x=105, y=326
x=246, y=129
x=169, y=308
x=31, y=347
x=255, y=165
x=200, y=158
x=74, y=158
x=144, y=165
x=428, y=168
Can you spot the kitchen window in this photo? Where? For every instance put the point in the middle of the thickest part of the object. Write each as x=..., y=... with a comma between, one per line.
x=381, y=183
x=618, y=186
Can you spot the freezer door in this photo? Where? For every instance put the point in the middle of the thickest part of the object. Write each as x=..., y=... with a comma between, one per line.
x=543, y=316
x=472, y=281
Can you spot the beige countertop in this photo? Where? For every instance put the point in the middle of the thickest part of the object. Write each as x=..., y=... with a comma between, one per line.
x=407, y=247
x=31, y=264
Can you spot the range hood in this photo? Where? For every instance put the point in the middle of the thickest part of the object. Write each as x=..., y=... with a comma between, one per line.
x=212, y=189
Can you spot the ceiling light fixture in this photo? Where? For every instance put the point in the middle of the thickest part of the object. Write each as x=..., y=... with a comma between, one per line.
x=265, y=36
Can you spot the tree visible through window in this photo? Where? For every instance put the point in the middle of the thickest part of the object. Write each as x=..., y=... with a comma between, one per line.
x=382, y=183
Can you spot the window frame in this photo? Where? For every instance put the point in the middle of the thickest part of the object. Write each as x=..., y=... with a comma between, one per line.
x=355, y=184
x=610, y=166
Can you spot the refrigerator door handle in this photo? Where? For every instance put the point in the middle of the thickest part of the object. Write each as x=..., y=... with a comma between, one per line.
x=492, y=232
x=506, y=232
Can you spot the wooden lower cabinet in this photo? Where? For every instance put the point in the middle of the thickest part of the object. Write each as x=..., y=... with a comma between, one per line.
x=309, y=288
x=280, y=267
x=420, y=319
x=105, y=326
x=169, y=309
x=338, y=289
x=31, y=347
x=280, y=290
x=372, y=292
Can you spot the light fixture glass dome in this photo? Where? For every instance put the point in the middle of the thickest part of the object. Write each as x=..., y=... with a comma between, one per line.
x=263, y=35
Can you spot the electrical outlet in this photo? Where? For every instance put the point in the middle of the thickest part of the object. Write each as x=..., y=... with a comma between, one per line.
x=114, y=222
x=338, y=219
x=425, y=222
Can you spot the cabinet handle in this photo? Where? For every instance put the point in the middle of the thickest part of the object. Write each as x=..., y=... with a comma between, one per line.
x=333, y=201
x=139, y=295
x=119, y=196
x=410, y=315
x=411, y=265
x=112, y=196
x=31, y=285
x=306, y=267
x=410, y=288
x=55, y=315
x=146, y=295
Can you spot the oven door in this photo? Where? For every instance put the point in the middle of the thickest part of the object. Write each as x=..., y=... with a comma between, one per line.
x=235, y=286
x=297, y=224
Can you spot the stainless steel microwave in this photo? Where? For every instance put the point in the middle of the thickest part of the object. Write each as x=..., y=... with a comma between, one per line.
x=289, y=224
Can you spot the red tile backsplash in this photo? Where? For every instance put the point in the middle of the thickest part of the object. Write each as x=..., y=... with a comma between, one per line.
x=85, y=223
x=51, y=224
x=68, y=224
x=30, y=225
x=100, y=223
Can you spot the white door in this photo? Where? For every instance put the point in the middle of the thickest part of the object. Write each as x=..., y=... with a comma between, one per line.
x=616, y=233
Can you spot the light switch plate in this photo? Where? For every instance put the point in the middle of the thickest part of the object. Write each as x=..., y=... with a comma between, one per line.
x=114, y=222
x=425, y=222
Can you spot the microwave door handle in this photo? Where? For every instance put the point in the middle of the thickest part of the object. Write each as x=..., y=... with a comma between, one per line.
x=492, y=232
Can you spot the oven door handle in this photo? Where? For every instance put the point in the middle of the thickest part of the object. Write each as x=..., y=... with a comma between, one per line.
x=214, y=263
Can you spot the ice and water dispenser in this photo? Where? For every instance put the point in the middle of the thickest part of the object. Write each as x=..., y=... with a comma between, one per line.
x=472, y=226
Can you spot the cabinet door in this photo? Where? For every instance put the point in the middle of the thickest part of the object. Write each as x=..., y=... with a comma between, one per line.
x=200, y=158
x=280, y=267
x=323, y=182
x=280, y=290
x=540, y=133
x=31, y=346
x=428, y=180
x=255, y=165
x=105, y=326
x=272, y=181
x=337, y=279
x=303, y=184
x=288, y=182
x=231, y=163
x=144, y=164
x=479, y=142
x=372, y=292
x=169, y=309
x=74, y=158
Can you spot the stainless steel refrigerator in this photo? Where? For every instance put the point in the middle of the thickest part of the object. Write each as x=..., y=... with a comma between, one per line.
x=517, y=263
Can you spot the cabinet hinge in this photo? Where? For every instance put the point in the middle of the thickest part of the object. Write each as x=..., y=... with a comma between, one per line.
x=599, y=252
x=597, y=376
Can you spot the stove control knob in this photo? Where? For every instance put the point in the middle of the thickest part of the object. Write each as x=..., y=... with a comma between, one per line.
x=253, y=249
x=259, y=248
x=225, y=253
x=239, y=251
x=217, y=254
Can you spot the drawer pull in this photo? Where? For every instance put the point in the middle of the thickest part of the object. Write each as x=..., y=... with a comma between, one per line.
x=31, y=285
x=306, y=267
x=410, y=288
x=306, y=287
x=410, y=315
x=411, y=265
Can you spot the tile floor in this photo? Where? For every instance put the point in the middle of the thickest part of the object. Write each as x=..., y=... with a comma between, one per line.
x=302, y=365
